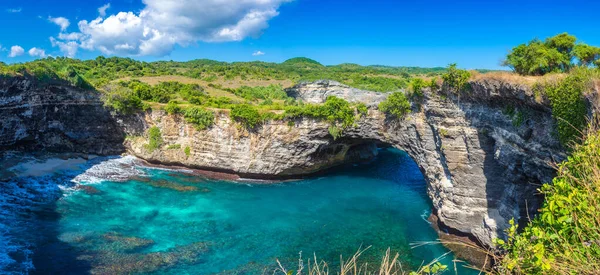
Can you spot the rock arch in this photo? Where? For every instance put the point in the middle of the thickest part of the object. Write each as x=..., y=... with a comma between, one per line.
x=482, y=168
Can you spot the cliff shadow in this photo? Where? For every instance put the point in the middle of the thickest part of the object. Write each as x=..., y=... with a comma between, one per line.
x=51, y=255
x=56, y=115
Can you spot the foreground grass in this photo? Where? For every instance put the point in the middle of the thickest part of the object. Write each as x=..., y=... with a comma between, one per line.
x=390, y=265
x=565, y=237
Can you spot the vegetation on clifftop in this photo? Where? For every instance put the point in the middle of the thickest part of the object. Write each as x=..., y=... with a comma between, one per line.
x=556, y=54
x=396, y=105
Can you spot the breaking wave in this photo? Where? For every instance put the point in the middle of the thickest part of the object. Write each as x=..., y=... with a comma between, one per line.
x=37, y=183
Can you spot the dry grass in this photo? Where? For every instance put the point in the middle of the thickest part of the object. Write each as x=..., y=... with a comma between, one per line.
x=390, y=265
x=511, y=77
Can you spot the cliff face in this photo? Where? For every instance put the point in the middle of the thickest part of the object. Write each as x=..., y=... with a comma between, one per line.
x=481, y=165
x=55, y=117
x=275, y=150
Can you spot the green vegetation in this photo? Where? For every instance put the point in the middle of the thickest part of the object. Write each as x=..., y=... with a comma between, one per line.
x=417, y=85
x=101, y=71
x=155, y=139
x=396, y=105
x=123, y=101
x=200, y=117
x=456, y=79
x=517, y=116
x=362, y=109
x=568, y=105
x=163, y=92
x=172, y=108
x=555, y=54
x=265, y=93
x=187, y=151
x=433, y=84
x=174, y=147
x=246, y=115
x=564, y=237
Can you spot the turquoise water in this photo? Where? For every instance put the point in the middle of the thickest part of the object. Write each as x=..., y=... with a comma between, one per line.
x=171, y=222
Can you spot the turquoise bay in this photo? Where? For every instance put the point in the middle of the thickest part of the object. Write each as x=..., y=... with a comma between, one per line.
x=171, y=222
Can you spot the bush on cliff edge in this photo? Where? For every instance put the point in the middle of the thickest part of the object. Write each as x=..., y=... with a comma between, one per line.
x=565, y=237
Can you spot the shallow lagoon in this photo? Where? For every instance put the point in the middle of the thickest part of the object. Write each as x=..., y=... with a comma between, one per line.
x=111, y=216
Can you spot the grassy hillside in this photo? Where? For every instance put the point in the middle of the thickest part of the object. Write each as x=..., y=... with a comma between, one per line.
x=101, y=71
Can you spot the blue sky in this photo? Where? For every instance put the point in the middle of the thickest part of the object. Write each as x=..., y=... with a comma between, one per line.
x=474, y=34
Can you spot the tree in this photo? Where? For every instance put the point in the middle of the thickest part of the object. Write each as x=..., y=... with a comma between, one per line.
x=586, y=54
x=563, y=42
x=456, y=78
x=556, y=54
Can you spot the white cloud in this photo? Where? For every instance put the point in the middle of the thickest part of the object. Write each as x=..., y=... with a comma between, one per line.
x=69, y=36
x=102, y=10
x=16, y=51
x=258, y=53
x=68, y=48
x=17, y=10
x=60, y=21
x=36, y=52
x=162, y=24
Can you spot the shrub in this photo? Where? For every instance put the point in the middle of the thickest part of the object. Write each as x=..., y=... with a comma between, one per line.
x=417, y=85
x=396, y=105
x=456, y=79
x=267, y=93
x=433, y=84
x=200, y=117
x=172, y=108
x=337, y=111
x=362, y=109
x=563, y=238
x=246, y=115
x=187, y=151
x=123, y=101
x=155, y=140
x=568, y=105
x=335, y=131
x=173, y=147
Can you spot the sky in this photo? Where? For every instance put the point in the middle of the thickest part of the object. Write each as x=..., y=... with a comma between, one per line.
x=425, y=33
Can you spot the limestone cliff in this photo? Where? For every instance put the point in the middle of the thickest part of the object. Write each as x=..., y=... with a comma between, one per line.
x=482, y=166
x=55, y=117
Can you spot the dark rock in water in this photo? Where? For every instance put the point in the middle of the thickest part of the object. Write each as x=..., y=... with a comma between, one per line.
x=88, y=189
x=172, y=185
x=119, y=242
x=107, y=262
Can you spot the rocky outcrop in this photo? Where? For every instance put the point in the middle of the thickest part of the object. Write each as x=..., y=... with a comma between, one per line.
x=318, y=91
x=482, y=163
x=55, y=117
